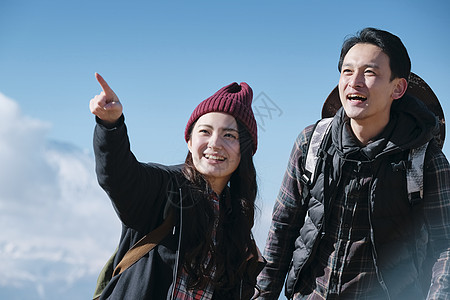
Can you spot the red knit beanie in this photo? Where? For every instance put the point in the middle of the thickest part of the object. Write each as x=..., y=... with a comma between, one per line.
x=233, y=99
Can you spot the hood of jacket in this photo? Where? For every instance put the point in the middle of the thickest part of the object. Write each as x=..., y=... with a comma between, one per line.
x=411, y=125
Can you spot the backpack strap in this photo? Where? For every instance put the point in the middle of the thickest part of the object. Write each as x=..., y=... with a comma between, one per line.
x=139, y=249
x=314, y=145
x=145, y=245
x=414, y=173
x=414, y=179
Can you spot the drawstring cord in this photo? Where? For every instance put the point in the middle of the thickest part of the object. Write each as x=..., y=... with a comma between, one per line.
x=175, y=271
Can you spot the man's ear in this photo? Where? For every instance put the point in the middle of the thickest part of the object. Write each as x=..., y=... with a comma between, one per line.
x=400, y=88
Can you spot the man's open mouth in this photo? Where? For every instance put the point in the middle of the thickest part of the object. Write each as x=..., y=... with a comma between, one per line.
x=356, y=97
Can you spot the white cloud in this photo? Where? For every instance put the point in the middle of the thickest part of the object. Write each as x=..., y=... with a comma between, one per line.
x=58, y=227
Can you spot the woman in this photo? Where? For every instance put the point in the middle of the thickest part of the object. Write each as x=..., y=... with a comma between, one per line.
x=210, y=254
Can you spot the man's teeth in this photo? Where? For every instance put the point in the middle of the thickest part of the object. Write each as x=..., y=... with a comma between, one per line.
x=356, y=97
x=216, y=157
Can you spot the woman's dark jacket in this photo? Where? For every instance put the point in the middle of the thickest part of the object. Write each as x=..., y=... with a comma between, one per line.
x=142, y=194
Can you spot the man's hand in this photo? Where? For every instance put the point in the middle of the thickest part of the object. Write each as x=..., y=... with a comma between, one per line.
x=106, y=105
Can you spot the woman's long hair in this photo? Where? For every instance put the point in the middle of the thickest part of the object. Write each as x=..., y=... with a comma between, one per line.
x=228, y=257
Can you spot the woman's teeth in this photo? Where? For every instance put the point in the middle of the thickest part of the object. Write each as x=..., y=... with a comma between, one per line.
x=216, y=157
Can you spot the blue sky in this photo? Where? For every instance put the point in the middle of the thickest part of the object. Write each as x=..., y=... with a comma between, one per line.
x=162, y=59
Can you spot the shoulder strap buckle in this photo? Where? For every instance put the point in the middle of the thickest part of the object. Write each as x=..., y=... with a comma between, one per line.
x=414, y=173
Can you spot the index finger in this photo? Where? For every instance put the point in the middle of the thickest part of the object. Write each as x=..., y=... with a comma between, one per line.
x=105, y=87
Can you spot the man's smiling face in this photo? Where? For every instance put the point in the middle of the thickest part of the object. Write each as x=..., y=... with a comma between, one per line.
x=365, y=86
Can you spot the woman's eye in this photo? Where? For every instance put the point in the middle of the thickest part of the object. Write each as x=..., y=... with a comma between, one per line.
x=231, y=136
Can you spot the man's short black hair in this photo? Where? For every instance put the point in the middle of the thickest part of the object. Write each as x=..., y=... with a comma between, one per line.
x=390, y=44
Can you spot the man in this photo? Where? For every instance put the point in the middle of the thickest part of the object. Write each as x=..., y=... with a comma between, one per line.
x=354, y=233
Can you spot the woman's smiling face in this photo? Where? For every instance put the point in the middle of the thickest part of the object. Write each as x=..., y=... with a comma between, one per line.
x=214, y=145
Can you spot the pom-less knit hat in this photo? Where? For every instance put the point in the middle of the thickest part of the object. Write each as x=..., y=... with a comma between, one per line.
x=233, y=99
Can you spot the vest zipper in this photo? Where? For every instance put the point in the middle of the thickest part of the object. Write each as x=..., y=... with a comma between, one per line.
x=372, y=240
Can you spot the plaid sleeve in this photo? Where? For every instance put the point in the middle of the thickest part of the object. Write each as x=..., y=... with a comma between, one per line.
x=286, y=222
x=437, y=214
